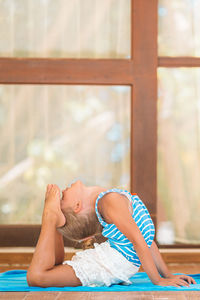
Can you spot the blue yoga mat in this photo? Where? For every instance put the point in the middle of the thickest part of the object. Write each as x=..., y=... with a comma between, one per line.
x=15, y=281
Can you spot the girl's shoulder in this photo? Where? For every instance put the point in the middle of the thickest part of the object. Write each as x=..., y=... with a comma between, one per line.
x=116, y=193
x=114, y=190
x=111, y=199
x=110, y=194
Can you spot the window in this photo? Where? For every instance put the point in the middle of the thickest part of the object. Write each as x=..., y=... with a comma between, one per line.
x=178, y=123
x=58, y=133
x=68, y=29
x=127, y=63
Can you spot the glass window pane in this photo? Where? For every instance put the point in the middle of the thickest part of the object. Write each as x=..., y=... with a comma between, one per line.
x=58, y=134
x=179, y=155
x=65, y=28
x=179, y=28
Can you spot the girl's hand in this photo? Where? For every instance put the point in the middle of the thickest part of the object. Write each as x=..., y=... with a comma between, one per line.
x=52, y=204
x=176, y=280
x=187, y=278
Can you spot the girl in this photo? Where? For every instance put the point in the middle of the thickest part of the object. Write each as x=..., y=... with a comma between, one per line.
x=123, y=220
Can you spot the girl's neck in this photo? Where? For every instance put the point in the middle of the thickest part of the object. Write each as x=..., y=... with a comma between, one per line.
x=91, y=195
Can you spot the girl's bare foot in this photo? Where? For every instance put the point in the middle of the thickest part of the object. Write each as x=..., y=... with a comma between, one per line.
x=49, y=186
x=52, y=203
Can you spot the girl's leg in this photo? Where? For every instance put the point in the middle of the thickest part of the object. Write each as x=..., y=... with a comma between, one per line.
x=43, y=271
x=59, y=248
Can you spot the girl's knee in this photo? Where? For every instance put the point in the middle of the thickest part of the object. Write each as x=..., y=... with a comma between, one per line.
x=34, y=278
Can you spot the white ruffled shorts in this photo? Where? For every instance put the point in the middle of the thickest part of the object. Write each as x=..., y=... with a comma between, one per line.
x=102, y=266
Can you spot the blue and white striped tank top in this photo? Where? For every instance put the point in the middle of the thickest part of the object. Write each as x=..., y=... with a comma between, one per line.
x=117, y=239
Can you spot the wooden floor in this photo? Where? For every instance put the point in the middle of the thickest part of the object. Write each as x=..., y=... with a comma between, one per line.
x=175, y=268
x=101, y=296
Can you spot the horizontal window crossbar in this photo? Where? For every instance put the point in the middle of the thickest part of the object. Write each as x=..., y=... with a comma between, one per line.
x=66, y=71
x=178, y=62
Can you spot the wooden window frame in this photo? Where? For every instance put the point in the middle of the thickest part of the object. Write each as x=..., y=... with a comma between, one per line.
x=179, y=62
x=139, y=72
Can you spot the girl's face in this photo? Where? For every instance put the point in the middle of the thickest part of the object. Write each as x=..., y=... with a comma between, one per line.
x=71, y=194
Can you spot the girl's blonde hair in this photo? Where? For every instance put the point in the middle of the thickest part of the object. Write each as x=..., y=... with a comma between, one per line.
x=84, y=229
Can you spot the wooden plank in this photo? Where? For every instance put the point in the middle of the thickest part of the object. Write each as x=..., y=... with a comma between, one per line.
x=187, y=268
x=177, y=62
x=77, y=296
x=5, y=268
x=66, y=71
x=192, y=268
x=181, y=258
x=13, y=295
x=19, y=235
x=144, y=102
x=23, y=258
x=15, y=258
x=179, y=246
x=43, y=295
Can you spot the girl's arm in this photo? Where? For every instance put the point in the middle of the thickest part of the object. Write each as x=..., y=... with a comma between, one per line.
x=162, y=267
x=159, y=262
x=116, y=211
